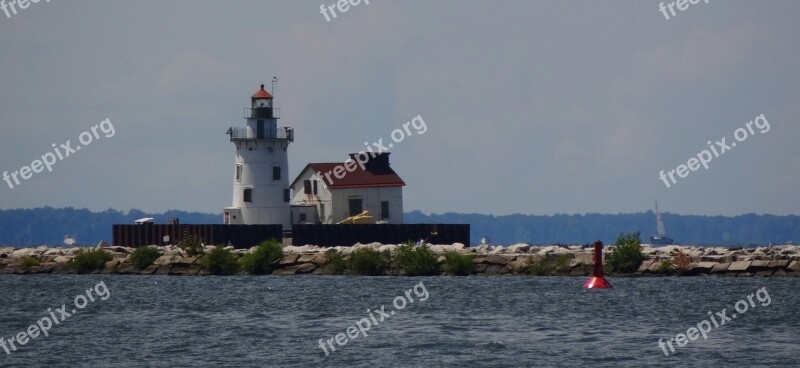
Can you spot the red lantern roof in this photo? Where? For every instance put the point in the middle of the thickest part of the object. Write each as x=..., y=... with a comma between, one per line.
x=262, y=93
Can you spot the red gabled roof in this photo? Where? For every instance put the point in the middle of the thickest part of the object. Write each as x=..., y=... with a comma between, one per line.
x=358, y=178
x=262, y=93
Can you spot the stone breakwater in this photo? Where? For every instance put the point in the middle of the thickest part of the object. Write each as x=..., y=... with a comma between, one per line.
x=521, y=259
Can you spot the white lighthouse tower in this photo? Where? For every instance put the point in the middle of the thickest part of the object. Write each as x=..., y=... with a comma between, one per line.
x=261, y=172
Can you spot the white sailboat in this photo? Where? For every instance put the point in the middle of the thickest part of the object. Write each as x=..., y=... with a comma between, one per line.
x=661, y=236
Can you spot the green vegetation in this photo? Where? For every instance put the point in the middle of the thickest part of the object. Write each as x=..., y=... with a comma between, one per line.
x=30, y=261
x=219, y=261
x=87, y=261
x=260, y=261
x=627, y=254
x=458, y=264
x=143, y=257
x=192, y=246
x=549, y=266
x=336, y=263
x=368, y=262
x=665, y=267
x=411, y=260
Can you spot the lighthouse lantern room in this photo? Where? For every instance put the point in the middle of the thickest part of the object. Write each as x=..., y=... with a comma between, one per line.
x=260, y=185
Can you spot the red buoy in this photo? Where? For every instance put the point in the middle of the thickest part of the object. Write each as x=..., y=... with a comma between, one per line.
x=597, y=281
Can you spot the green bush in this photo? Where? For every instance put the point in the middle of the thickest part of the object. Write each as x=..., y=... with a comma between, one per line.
x=411, y=260
x=368, y=262
x=192, y=246
x=87, y=261
x=666, y=268
x=336, y=263
x=219, y=261
x=549, y=266
x=143, y=257
x=458, y=264
x=30, y=261
x=260, y=261
x=627, y=254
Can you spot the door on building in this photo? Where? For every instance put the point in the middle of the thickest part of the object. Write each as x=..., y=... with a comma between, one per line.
x=260, y=129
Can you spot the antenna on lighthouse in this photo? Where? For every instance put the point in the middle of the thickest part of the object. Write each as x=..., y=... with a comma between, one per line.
x=274, y=81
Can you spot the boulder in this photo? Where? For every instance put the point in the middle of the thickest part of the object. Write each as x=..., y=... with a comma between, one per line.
x=497, y=260
x=151, y=269
x=23, y=252
x=779, y=263
x=497, y=270
x=163, y=270
x=645, y=266
x=701, y=267
x=289, y=259
x=184, y=270
x=306, y=258
x=794, y=266
x=166, y=259
x=765, y=273
x=519, y=248
x=756, y=266
x=739, y=266
x=304, y=268
x=62, y=259
x=110, y=267
x=54, y=252
x=720, y=268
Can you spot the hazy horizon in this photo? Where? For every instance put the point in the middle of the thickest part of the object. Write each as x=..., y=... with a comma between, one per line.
x=536, y=108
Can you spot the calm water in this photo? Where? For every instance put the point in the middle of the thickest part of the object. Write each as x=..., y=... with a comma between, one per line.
x=464, y=322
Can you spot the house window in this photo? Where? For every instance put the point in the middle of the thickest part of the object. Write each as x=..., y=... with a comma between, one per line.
x=315, y=186
x=287, y=194
x=307, y=186
x=322, y=212
x=276, y=173
x=302, y=217
x=356, y=206
x=248, y=195
x=384, y=210
x=238, y=173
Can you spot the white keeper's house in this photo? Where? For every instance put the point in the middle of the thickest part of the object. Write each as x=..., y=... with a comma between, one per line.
x=319, y=196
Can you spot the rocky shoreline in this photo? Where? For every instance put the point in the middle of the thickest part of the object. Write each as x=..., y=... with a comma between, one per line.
x=521, y=259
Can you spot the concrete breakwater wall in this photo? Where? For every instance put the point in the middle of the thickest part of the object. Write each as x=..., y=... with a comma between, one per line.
x=521, y=259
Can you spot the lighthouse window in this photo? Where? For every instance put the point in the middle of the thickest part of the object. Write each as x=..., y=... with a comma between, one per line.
x=287, y=195
x=248, y=195
x=276, y=173
x=238, y=172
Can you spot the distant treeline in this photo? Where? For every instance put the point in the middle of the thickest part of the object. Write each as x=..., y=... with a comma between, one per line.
x=30, y=227
x=748, y=229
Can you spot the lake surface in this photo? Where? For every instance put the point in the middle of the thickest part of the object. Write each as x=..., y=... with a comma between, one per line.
x=149, y=321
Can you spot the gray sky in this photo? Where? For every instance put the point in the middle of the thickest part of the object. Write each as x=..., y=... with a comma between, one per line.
x=533, y=107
